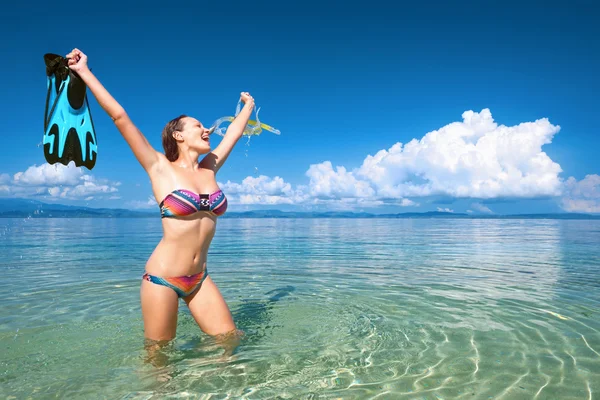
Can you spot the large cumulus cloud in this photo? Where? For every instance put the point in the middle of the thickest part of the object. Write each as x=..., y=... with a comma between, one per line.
x=472, y=158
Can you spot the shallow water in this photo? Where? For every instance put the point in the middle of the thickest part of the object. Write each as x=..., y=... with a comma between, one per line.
x=331, y=308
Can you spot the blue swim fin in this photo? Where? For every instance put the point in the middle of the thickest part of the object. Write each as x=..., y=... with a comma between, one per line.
x=69, y=133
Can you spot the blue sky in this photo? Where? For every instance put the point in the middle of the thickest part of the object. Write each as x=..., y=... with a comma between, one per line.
x=499, y=100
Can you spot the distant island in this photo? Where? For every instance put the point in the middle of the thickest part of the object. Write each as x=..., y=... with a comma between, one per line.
x=26, y=208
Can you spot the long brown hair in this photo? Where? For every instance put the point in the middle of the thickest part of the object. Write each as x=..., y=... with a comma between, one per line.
x=168, y=141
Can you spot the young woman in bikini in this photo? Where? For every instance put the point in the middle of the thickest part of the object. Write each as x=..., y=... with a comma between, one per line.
x=190, y=203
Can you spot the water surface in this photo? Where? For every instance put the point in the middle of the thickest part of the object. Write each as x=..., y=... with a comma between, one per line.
x=331, y=308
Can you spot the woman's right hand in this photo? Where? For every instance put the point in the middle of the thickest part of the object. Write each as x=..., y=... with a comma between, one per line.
x=77, y=60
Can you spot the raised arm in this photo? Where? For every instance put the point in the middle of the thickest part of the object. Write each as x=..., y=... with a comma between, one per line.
x=234, y=132
x=143, y=151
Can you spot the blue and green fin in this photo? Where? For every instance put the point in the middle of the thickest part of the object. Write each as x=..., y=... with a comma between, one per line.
x=69, y=133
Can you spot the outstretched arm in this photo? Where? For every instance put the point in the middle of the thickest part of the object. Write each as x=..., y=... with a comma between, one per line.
x=234, y=132
x=143, y=151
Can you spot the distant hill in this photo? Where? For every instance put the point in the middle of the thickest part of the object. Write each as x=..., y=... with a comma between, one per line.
x=414, y=215
x=24, y=208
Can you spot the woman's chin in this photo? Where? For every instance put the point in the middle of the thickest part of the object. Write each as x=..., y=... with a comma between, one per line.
x=202, y=149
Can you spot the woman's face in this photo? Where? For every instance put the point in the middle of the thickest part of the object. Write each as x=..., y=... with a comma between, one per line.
x=196, y=136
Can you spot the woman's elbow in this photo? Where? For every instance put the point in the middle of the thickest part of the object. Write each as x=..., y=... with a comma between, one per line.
x=118, y=115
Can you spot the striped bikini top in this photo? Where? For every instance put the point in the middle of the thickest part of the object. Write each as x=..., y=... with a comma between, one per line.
x=182, y=202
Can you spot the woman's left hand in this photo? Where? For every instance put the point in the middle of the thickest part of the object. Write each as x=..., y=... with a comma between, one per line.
x=246, y=98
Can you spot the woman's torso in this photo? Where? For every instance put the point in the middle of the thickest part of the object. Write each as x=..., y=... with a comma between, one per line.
x=188, y=229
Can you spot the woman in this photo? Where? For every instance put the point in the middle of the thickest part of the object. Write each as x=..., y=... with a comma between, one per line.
x=190, y=203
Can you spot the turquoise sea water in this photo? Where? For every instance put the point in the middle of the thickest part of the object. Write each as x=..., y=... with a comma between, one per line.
x=331, y=308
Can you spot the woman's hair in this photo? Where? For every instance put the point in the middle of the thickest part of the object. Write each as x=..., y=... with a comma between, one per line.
x=168, y=141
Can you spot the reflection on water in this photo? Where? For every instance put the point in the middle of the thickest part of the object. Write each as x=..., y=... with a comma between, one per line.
x=353, y=308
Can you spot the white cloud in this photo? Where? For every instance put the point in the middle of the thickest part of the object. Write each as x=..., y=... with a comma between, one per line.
x=583, y=195
x=54, y=191
x=481, y=208
x=57, y=181
x=49, y=175
x=344, y=189
x=84, y=190
x=473, y=158
x=261, y=185
x=327, y=183
x=149, y=203
x=440, y=209
x=263, y=190
x=408, y=203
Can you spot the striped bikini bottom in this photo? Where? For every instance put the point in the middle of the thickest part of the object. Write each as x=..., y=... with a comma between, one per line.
x=182, y=285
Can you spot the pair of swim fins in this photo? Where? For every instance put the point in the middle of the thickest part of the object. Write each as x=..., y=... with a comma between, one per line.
x=69, y=133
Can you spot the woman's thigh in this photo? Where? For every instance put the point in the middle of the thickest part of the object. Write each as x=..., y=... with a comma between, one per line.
x=159, y=310
x=209, y=309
